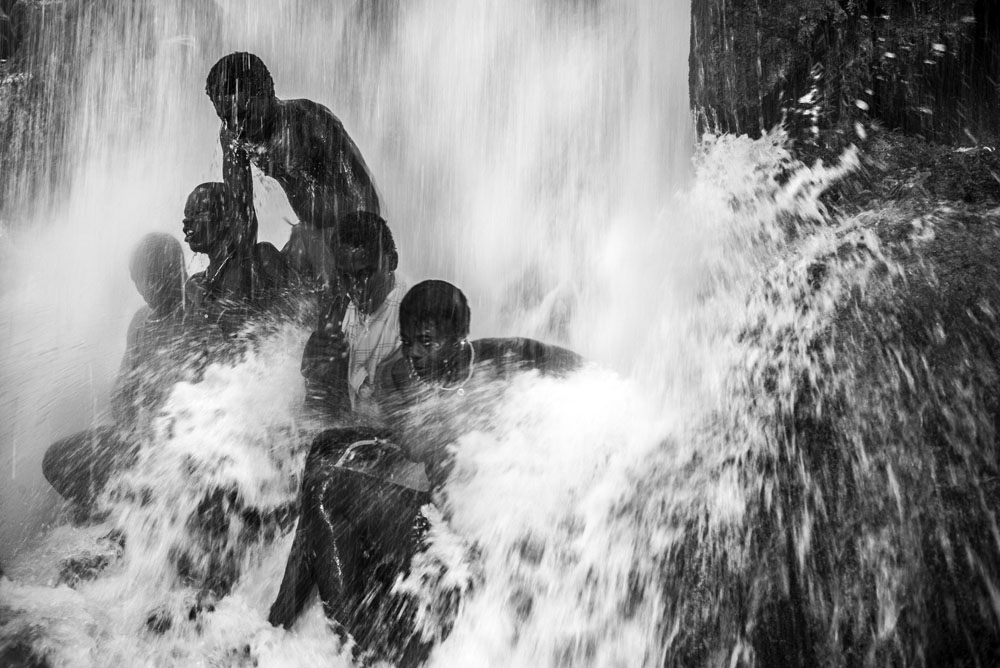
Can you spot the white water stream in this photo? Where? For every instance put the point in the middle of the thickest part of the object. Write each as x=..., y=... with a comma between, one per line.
x=536, y=154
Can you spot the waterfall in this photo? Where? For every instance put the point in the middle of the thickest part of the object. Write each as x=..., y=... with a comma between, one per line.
x=744, y=476
x=515, y=146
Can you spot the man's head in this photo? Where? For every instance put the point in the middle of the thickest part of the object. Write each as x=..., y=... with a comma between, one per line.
x=434, y=319
x=157, y=269
x=242, y=91
x=208, y=217
x=366, y=259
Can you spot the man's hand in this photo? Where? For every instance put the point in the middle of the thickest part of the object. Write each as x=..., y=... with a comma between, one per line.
x=323, y=355
x=324, y=366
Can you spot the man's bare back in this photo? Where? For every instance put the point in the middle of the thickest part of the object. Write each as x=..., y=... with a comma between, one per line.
x=299, y=143
x=313, y=158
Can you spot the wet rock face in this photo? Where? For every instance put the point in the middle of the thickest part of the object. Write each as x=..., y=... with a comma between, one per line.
x=911, y=175
x=82, y=568
x=910, y=169
x=889, y=454
x=90, y=564
x=926, y=359
x=12, y=26
x=21, y=656
x=923, y=67
x=7, y=43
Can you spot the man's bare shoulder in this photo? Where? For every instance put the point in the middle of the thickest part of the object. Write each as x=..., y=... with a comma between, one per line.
x=314, y=113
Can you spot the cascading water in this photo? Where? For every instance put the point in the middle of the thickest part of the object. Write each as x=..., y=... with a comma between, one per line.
x=665, y=511
x=515, y=147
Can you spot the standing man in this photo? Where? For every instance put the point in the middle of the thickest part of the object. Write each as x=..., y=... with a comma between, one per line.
x=299, y=143
x=366, y=306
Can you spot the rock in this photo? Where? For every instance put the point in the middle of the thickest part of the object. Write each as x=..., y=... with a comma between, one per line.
x=21, y=656
x=17, y=642
x=74, y=570
x=922, y=68
x=914, y=174
x=89, y=565
x=8, y=43
x=885, y=445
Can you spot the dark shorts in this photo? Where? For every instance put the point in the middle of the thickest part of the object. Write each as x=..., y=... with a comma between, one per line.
x=359, y=527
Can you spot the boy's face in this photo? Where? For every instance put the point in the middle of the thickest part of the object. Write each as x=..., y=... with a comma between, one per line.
x=366, y=275
x=428, y=347
x=204, y=223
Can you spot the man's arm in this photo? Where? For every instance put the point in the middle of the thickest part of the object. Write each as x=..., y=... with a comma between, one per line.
x=353, y=179
x=392, y=384
x=550, y=359
x=274, y=273
x=238, y=178
x=524, y=354
x=344, y=184
x=325, y=363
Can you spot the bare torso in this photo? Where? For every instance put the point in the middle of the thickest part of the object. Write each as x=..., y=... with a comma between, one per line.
x=310, y=154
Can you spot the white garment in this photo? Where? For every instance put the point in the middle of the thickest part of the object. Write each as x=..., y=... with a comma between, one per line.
x=370, y=340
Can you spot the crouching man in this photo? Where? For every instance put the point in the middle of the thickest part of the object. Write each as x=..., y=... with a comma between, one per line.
x=360, y=520
x=359, y=322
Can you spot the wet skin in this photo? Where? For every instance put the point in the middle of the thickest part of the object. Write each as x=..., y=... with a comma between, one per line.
x=433, y=352
x=434, y=359
x=206, y=224
x=238, y=279
x=301, y=145
x=208, y=229
x=246, y=114
x=367, y=277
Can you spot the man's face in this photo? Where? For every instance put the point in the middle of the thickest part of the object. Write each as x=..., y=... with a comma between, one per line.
x=204, y=223
x=244, y=113
x=429, y=348
x=366, y=275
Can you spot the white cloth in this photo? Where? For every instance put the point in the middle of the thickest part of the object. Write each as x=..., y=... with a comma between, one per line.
x=370, y=340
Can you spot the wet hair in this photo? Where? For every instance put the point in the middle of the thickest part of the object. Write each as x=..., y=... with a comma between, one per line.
x=438, y=302
x=157, y=254
x=363, y=229
x=240, y=70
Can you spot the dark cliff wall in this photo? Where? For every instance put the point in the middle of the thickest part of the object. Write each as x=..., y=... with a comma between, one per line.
x=927, y=67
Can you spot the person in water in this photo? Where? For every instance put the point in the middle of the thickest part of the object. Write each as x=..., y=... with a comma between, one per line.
x=159, y=352
x=360, y=521
x=360, y=321
x=299, y=143
x=240, y=285
x=241, y=281
x=436, y=359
